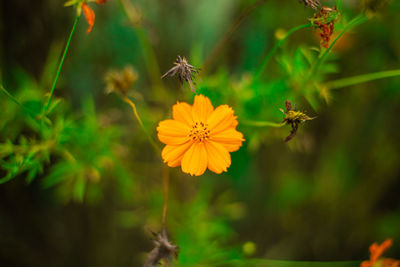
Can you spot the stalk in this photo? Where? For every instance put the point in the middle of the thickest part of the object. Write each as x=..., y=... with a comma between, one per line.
x=165, y=191
x=276, y=46
x=362, y=79
x=136, y=114
x=13, y=99
x=262, y=123
x=46, y=107
x=228, y=34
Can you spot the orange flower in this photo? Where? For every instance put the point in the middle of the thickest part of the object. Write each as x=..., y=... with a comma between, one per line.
x=376, y=252
x=200, y=136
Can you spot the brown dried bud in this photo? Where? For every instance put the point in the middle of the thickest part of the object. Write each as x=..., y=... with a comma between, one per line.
x=184, y=71
x=314, y=4
x=293, y=118
x=120, y=81
x=163, y=250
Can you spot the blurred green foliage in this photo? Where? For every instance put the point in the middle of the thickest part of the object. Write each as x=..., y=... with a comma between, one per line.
x=81, y=185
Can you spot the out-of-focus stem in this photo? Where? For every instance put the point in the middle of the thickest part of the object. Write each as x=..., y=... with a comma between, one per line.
x=276, y=46
x=46, y=107
x=148, y=52
x=225, y=38
x=136, y=114
x=13, y=99
x=262, y=123
x=150, y=57
x=339, y=5
x=9, y=95
x=361, y=79
x=165, y=176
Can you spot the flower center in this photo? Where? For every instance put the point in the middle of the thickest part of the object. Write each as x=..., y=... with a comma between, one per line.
x=199, y=132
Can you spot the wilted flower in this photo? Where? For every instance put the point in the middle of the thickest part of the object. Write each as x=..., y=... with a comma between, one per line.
x=184, y=71
x=324, y=20
x=200, y=136
x=163, y=250
x=120, y=81
x=376, y=252
x=314, y=4
x=293, y=118
x=81, y=5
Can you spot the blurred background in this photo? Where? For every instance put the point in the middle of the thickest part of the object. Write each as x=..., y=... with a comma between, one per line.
x=86, y=189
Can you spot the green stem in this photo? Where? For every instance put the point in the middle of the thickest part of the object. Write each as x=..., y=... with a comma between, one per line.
x=136, y=114
x=10, y=96
x=339, y=4
x=361, y=79
x=276, y=46
x=60, y=65
x=262, y=123
x=353, y=23
x=149, y=57
x=228, y=34
x=13, y=99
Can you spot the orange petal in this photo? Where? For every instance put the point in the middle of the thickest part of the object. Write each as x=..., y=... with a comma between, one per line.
x=101, y=2
x=173, y=154
x=89, y=15
x=194, y=162
x=231, y=139
x=202, y=108
x=221, y=119
x=366, y=264
x=219, y=158
x=172, y=132
x=390, y=263
x=376, y=250
x=173, y=128
x=183, y=112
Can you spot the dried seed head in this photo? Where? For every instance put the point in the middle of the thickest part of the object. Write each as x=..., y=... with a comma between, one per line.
x=293, y=118
x=120, y=81
x=163, y=250
x=325, y=20
x=314, y=4
x=184, y=71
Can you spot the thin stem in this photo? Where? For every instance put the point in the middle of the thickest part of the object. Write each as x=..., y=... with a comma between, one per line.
x=361, y=79
x=262, y=123
x=353, y=23
x=13, y=99
x=60, y=65
x=133, y=106
x=8, y=94
x=148, y=51
x=150, y=58
x=165, y=190
x=276, y=46
x=339, y=5
x=225, y=38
